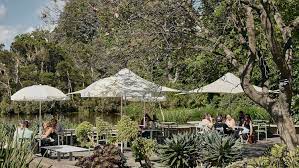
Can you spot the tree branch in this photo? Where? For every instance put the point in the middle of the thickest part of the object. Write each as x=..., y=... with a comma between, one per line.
x=260, y=98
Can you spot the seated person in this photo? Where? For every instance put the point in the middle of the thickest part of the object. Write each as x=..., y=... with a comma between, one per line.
x=155, y=121
x=145, y=122
x=220, y=126
x=49, y=136
x=247, y=128
x=49, y=130
x=230, y=122
x=207, y=121
x=23, y=131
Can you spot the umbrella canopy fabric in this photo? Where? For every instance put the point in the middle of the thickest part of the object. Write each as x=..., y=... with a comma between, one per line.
x=123, y=84
x=146, y=99
x=229, y=83
x=39, y=93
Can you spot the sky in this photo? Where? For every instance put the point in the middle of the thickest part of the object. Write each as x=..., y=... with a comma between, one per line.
x=22, y=16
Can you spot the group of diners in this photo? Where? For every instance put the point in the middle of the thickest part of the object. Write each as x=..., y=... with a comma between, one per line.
x=49, y=134
x=227, y=125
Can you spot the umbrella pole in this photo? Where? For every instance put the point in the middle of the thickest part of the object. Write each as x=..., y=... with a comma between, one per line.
x=40, y=123
x=144, y=123
x=163, y=118
x=121, y=114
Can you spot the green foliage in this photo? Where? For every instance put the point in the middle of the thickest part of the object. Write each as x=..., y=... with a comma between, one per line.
x=126, y=129
x=104, y=128
x=180, y=151
x=14, y=155
x=134, y=111
x=84, y=134
x=179, y=115
x=279, y=156
x=219, y=150
x=188, y=150
x=106, y=156
x=142, y=150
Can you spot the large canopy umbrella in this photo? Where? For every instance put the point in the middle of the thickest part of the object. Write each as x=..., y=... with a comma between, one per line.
x=123, y=84
x=229, y=83
x=39, y=93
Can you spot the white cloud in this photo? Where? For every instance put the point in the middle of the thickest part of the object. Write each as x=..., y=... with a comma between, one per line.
x=8, y=33
x=3, y=11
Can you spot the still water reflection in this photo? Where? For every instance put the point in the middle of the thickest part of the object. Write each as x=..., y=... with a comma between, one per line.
x=74, y=117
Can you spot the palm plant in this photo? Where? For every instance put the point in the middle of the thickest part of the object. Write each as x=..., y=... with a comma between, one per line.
x=218, y=150
x=180, y=151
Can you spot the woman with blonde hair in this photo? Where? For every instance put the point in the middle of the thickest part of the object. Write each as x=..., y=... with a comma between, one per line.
x=230, y=122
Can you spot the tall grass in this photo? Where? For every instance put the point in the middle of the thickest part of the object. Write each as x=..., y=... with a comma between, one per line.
x=179, y=115
x=14, y=155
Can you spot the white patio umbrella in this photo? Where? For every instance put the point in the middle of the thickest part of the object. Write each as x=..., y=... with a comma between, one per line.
x=39, y=93
x=229, y=83
x=123, y=84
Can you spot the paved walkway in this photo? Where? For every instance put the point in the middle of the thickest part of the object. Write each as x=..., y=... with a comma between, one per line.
x=249, y=151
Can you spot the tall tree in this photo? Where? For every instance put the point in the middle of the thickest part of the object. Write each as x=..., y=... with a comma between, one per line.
x=252, y=35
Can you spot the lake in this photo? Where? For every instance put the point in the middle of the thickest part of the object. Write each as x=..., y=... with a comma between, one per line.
x=74, y=117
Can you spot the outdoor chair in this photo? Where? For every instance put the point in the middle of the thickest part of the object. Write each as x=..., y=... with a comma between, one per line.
x=261, y=128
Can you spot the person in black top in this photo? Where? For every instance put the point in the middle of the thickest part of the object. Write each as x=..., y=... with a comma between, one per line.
x=241, y=118
x=221, y=126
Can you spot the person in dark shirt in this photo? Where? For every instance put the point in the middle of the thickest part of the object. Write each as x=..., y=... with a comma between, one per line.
x=221, y=126
x=241, y=118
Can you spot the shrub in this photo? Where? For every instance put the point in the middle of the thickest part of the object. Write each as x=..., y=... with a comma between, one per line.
x=179, y=115
x=278, y=157
x=84, y=134
x=180, y=151
x=104, y=156
x=134, y=111
x=126, y=129
x=142, y=150
x=219, y=150
x=103, y=128
x=19, y=156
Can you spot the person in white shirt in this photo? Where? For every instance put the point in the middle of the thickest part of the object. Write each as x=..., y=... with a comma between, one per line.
x=23, y=131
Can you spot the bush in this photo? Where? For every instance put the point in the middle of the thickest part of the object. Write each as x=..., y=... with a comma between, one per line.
x=142, y=150
x=187, y=150
x=104, y=156
x=134, y=111
x=103, y=128
x=180, y=151
x=84, y=134
x=19, y=156
x=218, y=150
x=278, y=157
x=126, y=129
x=179, y=115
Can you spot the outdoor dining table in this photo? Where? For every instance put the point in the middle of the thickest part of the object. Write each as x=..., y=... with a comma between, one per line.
x=168, y=124
x=151, y=131
x=64, y=149
x=194, y=122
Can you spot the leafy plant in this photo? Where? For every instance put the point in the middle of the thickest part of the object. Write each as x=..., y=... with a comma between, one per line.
x=126, y=129
x=142, y=150
x=84, y=134
x=14, y=155
x=219, y=150
x=179, y=115
x=180, y=151
x=277, y=157
x=104, y=156
x=103, y=128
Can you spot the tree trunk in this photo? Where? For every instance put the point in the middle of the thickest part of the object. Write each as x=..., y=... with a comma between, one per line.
x=285, y=124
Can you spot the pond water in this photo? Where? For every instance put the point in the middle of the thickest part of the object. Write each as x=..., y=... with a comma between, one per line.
x=74, y=117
